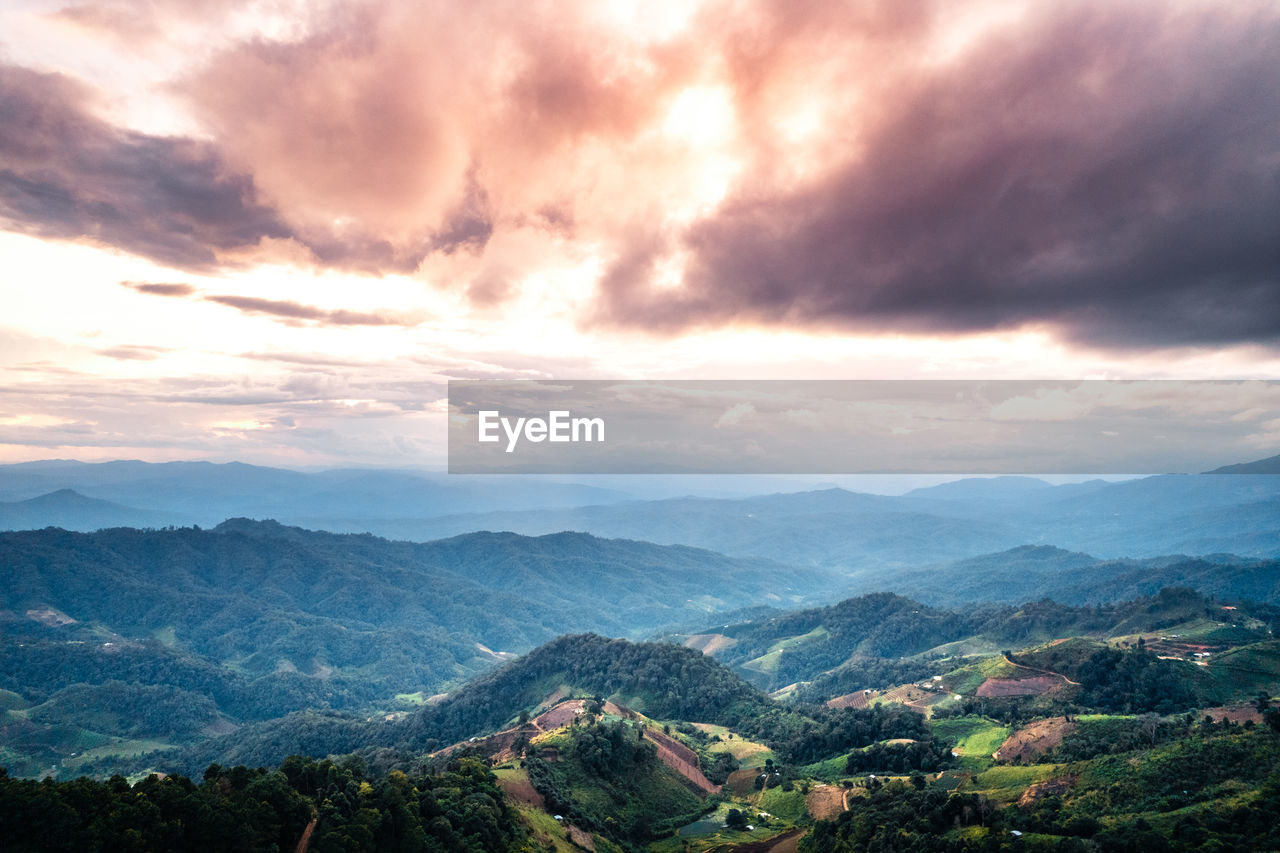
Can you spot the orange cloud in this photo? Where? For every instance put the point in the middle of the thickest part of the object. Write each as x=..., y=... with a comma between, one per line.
x=1104, y=170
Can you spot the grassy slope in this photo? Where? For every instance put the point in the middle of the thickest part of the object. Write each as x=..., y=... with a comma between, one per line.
x=972, y=736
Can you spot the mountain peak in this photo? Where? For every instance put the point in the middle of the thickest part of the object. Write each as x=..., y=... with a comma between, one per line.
x=1270, y=465
x=993, y=488
x=65, y=498
x=62, y=494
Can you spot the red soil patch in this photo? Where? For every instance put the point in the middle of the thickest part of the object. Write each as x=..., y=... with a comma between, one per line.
x=582, y=838
x=1033, y=741
x=681, y=751
x=305, y=841
x=522, y=791
x=681, y=759
x=742, y=782
x=788, y=842
x=619, y=711
x=825, y=802
x=1036, y=671
x=498, y=746
x=1234, y=713
x=914, y=696
x=1037, y=685
x=560, y=715
x=1038, y=790
x=857, y=699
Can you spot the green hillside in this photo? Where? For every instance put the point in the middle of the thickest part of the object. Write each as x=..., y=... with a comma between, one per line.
x=880, y=640
x=253, y=621
x=827, y=778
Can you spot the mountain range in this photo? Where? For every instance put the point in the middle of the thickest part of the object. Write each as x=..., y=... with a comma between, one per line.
x=1150, y=517
x=867, y=537
x=264, y=617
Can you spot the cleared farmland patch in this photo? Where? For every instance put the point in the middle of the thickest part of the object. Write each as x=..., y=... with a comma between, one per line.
x=825, y=802
x=710, y=644
x=856, y=699
x=1036, y=685
x=1029, y=743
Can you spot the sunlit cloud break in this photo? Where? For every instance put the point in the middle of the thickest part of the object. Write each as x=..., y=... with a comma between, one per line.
x=1103, y=168
x=497, y=188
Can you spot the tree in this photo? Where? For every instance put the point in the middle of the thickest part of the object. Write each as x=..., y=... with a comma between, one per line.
x=1149, y=725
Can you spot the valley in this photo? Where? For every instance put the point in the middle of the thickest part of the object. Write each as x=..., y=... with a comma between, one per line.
x=564, y=691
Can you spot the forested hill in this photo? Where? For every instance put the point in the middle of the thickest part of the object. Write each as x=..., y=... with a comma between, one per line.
x=263, y=619
x=873, y=634
x=246, y=586
x=662, y=680
x=1030, y=572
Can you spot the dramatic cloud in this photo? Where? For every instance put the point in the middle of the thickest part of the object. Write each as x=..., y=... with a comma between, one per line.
x=66, y=174
x=1109, y=170
x=1097, y=172
x=1106, y=170
x=404, y=129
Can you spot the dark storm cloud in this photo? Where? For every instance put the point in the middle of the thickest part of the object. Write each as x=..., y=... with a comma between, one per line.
x=298, y=311
x=1108, y=170
x=66, y=174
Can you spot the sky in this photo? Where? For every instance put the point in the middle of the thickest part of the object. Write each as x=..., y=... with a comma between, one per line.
x=272, y=230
